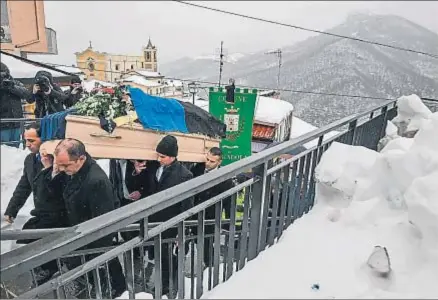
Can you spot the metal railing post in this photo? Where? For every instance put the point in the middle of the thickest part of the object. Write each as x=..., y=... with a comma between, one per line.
x=258, y=195
x=352, y=130
x=384, y=112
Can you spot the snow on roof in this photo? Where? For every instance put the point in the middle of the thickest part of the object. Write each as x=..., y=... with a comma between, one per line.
x=91, y=84
x=268, y=110
x=147, y=73
x=266, y=92
x=21, y=69
x=271, y=110
x=137, y=79
x=74, y=70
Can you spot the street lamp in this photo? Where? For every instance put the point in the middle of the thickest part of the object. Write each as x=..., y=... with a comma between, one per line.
x=193, y=89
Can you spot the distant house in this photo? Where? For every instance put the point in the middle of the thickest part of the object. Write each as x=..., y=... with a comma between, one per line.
x=153, y=86
x=173, y=88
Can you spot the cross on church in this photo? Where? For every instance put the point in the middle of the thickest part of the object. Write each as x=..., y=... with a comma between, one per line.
x=90, y=45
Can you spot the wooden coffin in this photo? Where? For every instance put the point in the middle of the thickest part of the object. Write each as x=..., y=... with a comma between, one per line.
x=132, y=141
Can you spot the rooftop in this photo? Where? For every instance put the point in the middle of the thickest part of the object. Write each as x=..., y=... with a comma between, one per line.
x=21, y=69
x=137, y=79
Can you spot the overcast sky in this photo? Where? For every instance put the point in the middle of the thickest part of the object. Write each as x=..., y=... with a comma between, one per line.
x=123, y=27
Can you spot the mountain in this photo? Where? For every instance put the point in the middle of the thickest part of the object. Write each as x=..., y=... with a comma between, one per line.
x=334, y=65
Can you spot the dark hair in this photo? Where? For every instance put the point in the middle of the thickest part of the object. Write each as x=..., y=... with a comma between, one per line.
x=35, y=126
x=74, y=148
x=215, y=151
x=4, y=68
x=75, y=79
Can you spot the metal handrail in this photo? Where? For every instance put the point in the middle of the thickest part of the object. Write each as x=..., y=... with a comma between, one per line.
x=30, y=256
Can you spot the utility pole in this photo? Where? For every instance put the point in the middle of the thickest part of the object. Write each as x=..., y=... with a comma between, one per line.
x=278, y=53
x=221, y=62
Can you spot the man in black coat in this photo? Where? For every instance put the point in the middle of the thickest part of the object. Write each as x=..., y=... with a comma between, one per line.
x=48, y=97
x=49, y=211
x=48, y=186
x=213, y=160
x=132, y=181
x=11, y=94
x=88, y=194
x=32, y=166
x=168, y=172
x=75, y=93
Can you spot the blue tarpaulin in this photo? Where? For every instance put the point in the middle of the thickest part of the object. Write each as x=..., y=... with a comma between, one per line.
x=53, y=126
x=158, y=113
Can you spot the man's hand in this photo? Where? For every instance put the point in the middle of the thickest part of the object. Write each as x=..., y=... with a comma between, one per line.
x=135, y=195
x=46, y=160
x=36, y=88
x=74, y=91
x=9, y=219
x=55, y=170
x=139, y=166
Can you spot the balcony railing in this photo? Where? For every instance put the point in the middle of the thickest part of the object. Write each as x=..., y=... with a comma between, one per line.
x=274, y=196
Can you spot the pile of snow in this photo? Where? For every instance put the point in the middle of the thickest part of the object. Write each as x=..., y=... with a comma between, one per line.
x=368, y=204
x=12, y=160
x=412, y=114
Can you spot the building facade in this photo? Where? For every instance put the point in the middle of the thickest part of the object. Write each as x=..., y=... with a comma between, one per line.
x=23, y=28
x=108, y=67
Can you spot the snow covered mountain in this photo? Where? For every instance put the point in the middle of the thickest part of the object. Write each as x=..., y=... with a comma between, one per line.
x=334, y=65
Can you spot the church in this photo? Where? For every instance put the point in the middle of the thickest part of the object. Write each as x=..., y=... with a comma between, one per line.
x=108, y=67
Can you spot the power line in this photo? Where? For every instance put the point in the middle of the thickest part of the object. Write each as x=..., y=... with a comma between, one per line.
x=52, y=65
x=263, y=88
x=305, y=29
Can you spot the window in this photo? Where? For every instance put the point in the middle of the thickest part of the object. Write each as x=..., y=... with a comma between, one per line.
x=117, y=67
x=132, y=67
x=142, y=65
x=148, y=56
x=91, y=67
x=155, y=56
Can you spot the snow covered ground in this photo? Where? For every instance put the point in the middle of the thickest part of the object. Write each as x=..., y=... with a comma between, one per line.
x=364, y=199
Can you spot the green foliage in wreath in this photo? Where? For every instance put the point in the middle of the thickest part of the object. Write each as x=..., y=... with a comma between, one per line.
x=104, y=103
